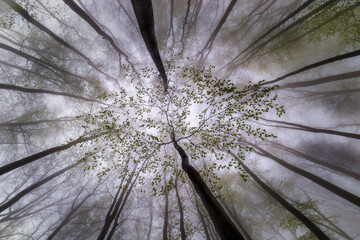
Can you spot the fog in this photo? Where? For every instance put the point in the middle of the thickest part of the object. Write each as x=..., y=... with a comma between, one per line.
x=197, y=119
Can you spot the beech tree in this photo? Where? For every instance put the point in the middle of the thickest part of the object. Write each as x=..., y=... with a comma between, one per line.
x=195, y=119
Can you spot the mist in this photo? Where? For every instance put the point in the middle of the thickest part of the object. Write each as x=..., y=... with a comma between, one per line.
x=197, y=119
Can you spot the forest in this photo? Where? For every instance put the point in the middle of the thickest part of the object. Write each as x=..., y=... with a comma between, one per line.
x=180, y=119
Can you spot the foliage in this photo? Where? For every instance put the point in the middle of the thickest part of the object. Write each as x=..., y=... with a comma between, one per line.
x=206, y=112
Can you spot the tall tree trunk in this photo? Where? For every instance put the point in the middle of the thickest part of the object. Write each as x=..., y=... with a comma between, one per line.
x=223, y=224
x=71, y=213
x=322, y=80
x=326, y=164
x=124, y=200
x=151, y=217
x=306, y=221
x=314, y=65
x=47, y=65
x=19, y=163
x=96, y=27
x=236, y=219
x=16, y=7
x=184, y=24
x=145, y=17
x=292, y=25
x=206, y=231
x=115, y=206
x=318, y=180
x=166, y=211
x=288, y=17
x=27, y=190
x=44, y=91
x=216, y=30
x=181, y=209
x=12, y=123
x=297, y=126
x=281, y=32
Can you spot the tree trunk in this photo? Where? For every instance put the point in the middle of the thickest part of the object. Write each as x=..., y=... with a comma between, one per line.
x=311, y=129
x=306, y=221
x=338, y=77
x=16, y=7
x=93, y=24
x=27, y=190
x=166, y=212
x=181, y=210
x=19, y=163
x=115, y=206
x=217, y=30
x=44, y=91
x=314, y=65
x=223, y=224
x=206, y=231
x=292, y=25
x=326, y=164
x=299, y=9
x=318, y=180
x=71, y=213
x=144, y=14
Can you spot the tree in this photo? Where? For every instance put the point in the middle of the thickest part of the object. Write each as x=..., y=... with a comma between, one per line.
x=80, y=102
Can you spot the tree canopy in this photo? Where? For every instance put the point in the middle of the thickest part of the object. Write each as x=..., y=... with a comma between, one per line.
x=195, y=119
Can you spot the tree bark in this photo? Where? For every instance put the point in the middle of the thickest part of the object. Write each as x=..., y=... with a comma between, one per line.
x=44, y=91
x=16, y=7
x=19, y=163
x=93, y=24
x=331, y=166
x=217, y=29
x=314, y=65
x=322, y=80
x=144, y=14
x=288, y=17
x=318, y=180
x=223, y=224
x=306, y=221
x=71, y=213
x=206, y=231
x=166, y=212
x=181, y=209
x=311, y=129
x=27, y=190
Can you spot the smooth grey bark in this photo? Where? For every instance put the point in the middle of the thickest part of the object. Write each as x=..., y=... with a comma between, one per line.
x=16, y=123
x=233, y=214
x=299, y=215
x=184, y=24
x=47, y=65
x=223, y=224
x=145, y=17
x=151, y=208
